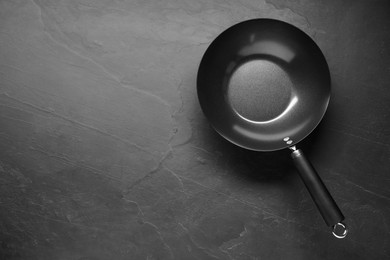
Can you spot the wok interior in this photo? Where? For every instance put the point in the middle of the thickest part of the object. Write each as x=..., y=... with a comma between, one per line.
x=263, y=84
x=259, y=97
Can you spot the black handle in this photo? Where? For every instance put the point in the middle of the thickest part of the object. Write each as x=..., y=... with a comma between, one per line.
x=320, y=194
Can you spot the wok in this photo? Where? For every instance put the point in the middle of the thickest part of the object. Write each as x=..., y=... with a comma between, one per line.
x=264, y=85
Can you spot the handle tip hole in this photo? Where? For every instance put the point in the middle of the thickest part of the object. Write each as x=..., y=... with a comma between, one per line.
x=340, y=230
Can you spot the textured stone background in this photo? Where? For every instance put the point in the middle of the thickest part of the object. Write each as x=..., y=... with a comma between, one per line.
x=105, y=153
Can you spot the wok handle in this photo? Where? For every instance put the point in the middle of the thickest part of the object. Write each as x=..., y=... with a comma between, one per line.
x=320, y=194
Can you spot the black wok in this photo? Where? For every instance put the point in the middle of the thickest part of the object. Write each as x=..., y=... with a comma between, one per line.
x=264, y=85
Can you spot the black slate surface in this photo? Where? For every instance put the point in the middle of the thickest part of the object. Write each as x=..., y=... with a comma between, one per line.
x=105, y=153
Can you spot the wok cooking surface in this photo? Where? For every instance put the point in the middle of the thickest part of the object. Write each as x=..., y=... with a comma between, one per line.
x=259, y=90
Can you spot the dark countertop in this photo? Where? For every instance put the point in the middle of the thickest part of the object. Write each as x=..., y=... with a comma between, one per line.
x=105, y=153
